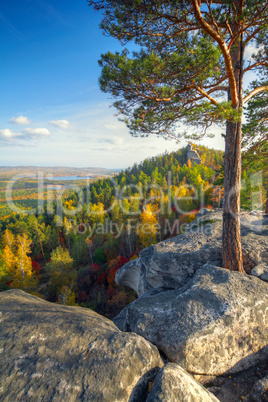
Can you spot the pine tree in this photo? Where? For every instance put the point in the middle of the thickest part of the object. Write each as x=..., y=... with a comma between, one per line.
x=191, y=53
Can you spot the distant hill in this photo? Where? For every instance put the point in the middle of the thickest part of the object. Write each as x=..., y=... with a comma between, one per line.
x=156, y=170
x=23, y=181
x=57, y=170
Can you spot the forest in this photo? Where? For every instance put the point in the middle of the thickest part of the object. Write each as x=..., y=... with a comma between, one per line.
x=68, y=248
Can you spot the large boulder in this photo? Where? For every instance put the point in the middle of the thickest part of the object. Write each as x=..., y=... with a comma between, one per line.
x=172, y=263
x=58, y=353
x=172, y=383
x=215, y=324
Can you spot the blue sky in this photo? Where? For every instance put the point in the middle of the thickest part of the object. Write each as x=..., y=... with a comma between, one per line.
x=52, y=110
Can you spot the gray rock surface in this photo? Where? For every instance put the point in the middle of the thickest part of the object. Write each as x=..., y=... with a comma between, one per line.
x=59, y=353
x=259, y=392
x=261, y=271
x=172, y=263
x=172, y=383
x=217, y=323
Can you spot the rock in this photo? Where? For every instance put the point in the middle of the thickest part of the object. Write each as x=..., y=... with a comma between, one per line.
x=264, y=276
x=172, y=263
x=51, y=352
x=259, y=392
x=261, y=271
x=193, y=155
x=214, y=390
x=172, y=383
x=217, y=323
x=132, y=278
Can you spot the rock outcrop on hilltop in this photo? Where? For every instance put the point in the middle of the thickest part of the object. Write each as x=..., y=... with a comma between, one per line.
x=172, y=263
x=58, y=353
x=193, y=155
x=217, y=323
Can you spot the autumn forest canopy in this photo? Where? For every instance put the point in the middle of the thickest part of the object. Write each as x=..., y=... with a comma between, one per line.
x=71, y=254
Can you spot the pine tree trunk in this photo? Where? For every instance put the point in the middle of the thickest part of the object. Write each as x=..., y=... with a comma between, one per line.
x=266, y=207
x=231, y=236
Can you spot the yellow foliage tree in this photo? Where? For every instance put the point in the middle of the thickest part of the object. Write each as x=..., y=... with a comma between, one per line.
x=69, y=204
x=66, y=296
x=183, y=198
x=149, y=226
x=97, y=213
x=3, y=273
x=9, y=258
x=60, y=270
x=8, y=239
x=204, y=157
x=199, y=181
x=18, y=262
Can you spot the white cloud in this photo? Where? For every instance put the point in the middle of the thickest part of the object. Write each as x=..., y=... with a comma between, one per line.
x=20, y=120
x=36, y=132
x=23, y=138
x=7, y=135
x=60, y=123
x=252, y=49
x=113, y=140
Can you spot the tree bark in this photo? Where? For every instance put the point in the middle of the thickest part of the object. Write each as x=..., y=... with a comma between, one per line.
x=231, y=236
x=266, y=207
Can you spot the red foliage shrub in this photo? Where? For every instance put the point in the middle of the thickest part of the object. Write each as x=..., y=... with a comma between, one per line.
x=82, y=296
x=110, y=293
x=123, y=260
x=209, y=206
x=114, y=266
x=95, y=268
x=101, y=279
x=111, y=275
x=118, y=262
x=39, y=257
x=116, y=303
x=36, y=268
